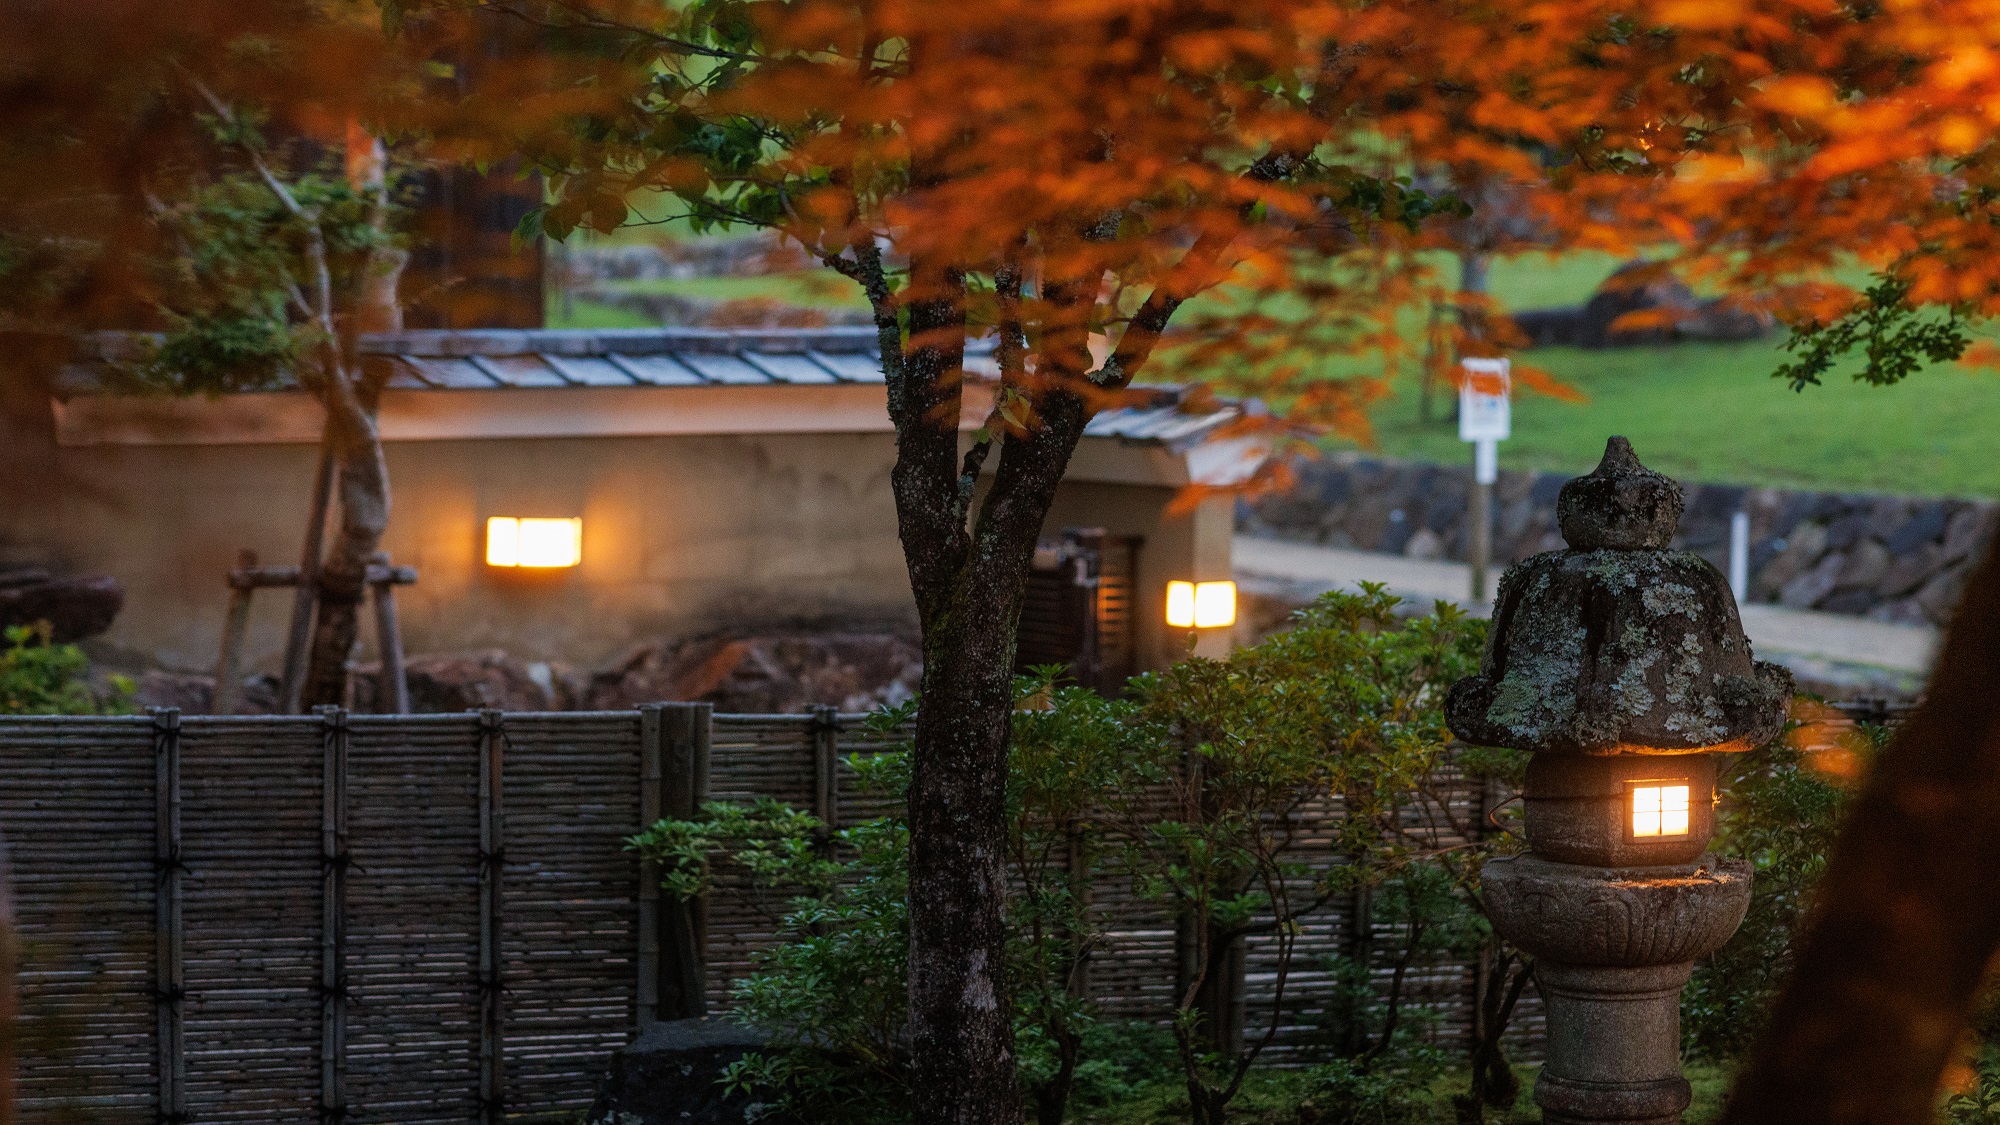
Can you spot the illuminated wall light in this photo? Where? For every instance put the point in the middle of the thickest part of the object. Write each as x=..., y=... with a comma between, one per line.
x=1201, y=605
x=1660, y=810
x=530, y=542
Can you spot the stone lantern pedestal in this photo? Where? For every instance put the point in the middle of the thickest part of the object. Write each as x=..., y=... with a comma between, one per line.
x=1623, y=667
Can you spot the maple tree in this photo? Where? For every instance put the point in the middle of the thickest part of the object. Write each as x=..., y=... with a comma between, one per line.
x=1062, y=173
x=1071, y=178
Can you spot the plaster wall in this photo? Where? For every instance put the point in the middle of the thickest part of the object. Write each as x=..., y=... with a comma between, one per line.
x=683, y=534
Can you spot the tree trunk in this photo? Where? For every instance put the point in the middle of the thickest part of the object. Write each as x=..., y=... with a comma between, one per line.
x=1907, y=919
x=363, y=489
x=363, y=480
x=960, y=1018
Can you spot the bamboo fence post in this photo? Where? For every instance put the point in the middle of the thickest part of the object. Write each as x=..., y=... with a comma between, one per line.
x=393, y=691
x=299, y=634
x=492, y=858
x=169, y=968
x=228, y=663
x=333, y=916
x=687, y=728
x=826, y=767
x=9, y=965
x=651, y=791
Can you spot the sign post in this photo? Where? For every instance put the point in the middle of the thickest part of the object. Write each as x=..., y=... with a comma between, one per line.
x=1483, y=420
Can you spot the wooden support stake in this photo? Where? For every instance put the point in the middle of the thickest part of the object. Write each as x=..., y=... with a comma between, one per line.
x=228, y=665
x=651, y=792
x=333, y=917
x=492, y=859
x=169, y=968
x=9, y=1006
x=826, y=766
x=686, y=729
x=393, y=691
x=299, y=635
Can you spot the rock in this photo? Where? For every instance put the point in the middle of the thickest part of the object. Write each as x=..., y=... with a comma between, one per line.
x=671, y=1075
x=766, y=674
x=1887, y=515
x=1425, y=544
x=1918, y=531
x=1969, y=531
x=1670, y=311
x=1910, y=570
x=74, y=607
x=450, y=682
x=1866, y=565
x=1802, y=548
x=1853, y=600
x=1807, y=589
x=195, y=695
x=1939, y=597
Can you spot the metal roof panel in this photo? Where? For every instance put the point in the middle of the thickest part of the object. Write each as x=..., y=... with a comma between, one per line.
x=721, y=368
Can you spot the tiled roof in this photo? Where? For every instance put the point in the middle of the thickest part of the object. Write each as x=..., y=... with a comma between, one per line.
x=493, y=359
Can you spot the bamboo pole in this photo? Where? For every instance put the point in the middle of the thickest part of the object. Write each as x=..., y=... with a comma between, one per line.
x=393, y=693
x=826, y=766
x=300, y=632
x=492, y=836
x=9, y=1009
x=687, y=729
x=651, y=792
x=333, y=916
x=228, y=664
x=169, y=975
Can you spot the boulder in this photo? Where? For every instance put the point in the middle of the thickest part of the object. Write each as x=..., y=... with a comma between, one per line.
x=444, y=683
x=1807, y=589
x=774, y=674
x=1642, y=304
x=671, y=1075
x=75, y=607
x=195, y=694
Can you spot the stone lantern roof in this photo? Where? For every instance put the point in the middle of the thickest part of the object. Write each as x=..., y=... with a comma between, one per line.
x=1618, y=645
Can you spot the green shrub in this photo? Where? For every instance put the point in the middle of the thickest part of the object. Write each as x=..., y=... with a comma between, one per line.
x=1780, y=813
x=38, y=677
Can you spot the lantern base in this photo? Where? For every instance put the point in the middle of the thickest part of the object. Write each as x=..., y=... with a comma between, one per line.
x=1614, y=1043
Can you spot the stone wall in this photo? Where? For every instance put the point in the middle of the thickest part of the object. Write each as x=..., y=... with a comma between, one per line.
x=1892, y=558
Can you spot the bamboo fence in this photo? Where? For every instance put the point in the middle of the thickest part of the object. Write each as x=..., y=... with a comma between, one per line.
x=431, y=918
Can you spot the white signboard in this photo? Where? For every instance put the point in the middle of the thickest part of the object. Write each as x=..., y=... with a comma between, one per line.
x=1482, y=400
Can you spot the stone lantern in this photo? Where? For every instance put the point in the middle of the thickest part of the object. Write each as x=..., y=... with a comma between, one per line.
x=1622, y=666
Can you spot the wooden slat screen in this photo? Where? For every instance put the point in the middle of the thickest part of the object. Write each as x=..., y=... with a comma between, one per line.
x=322, y=885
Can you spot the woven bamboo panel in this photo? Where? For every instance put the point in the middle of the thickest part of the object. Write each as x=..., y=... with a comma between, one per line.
x=751, y=756
x=568, y=903
x=250, y=816
x=413, y=919
x=76, y=802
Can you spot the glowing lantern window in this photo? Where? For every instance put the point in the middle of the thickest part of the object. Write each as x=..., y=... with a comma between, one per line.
x=1659, y=810
x=515, y=541
x=1201, y=605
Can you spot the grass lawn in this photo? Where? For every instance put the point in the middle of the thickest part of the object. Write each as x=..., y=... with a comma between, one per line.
x=1712, y=411
x=1699, y=411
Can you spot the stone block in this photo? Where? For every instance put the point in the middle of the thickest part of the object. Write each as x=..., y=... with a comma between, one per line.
x=1844, y=532
x=1796, y=554
x=1852, y=600
x=1968, y=531
x=1887, y=514
x=1939, y=596
x=1867, y=563
x=1910, y=570
x=670, y=1076
x=1805, y=591
x=1927, y=524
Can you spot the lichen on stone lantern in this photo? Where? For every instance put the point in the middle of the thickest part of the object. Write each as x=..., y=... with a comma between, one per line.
x=1622, y=666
